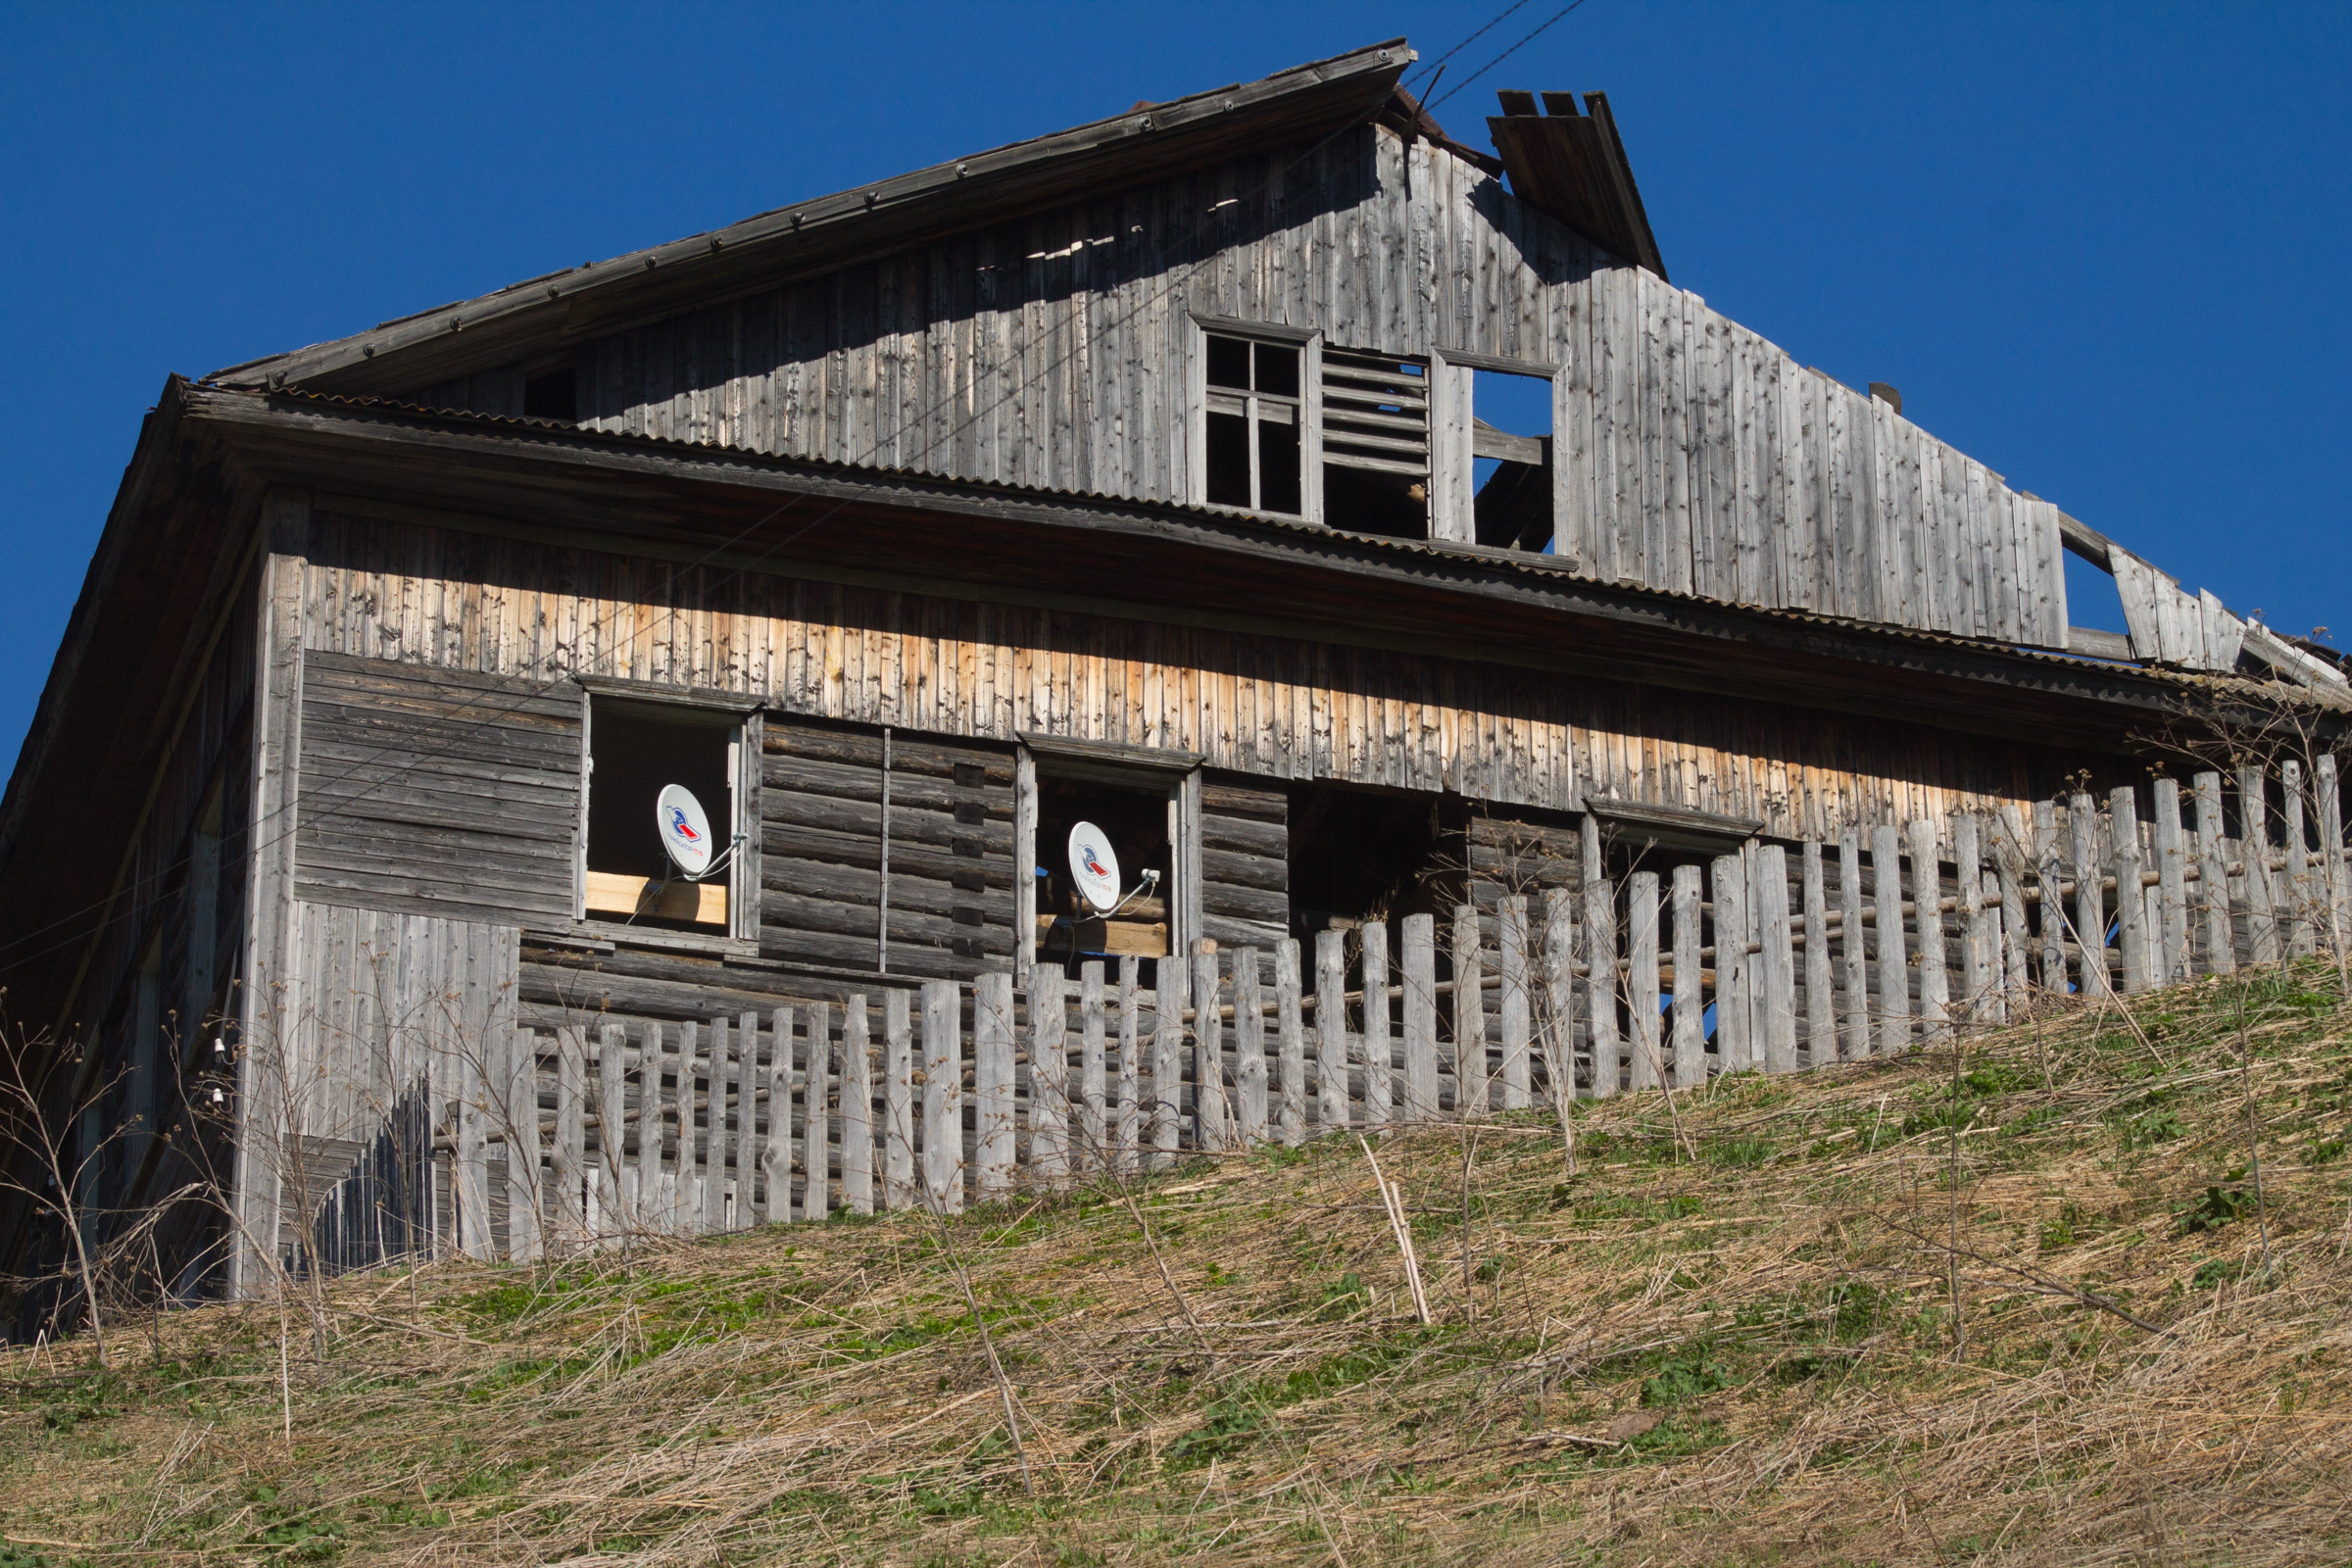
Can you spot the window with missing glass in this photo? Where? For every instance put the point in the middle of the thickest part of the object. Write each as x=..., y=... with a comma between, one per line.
x=1254, y=423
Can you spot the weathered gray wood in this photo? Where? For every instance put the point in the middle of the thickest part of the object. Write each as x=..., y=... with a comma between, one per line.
x=2130, y=902
x=943, y=1097
x=1248, y=1049
x=1127, y=1127
x=1331, y=1030
x=1092, y=1146
x=775, y=1149
x=1968, y=908
x=2300, y=928
x=1648, y=1068
x=2009, y=857
x=1379, y=1048
x=1853, y=946
x=1769, y=900
x=1735, y=1011
x=1025, y=854
x=995, y=1133
x=1213, y=1126
x=2097, y=975
x=817, y=1081
x=856, y=1108
x=1515, y=1014
x=900, y=1190
x=683, y=1188
x=1049, y=1072
x=2048, y=875
x=1895, y=974
x=1563, y=918
x=618, y=1216
x=1926, y=895
x=2263, y=924
x=474, y=1240
x=1167, y=1060
x=1690, y=1024
x=715, y=1074
x=2214, y=937
x=569, y=1227
x=1995, y=1008
x=744, y=1212
x=1290, y=1044
x=1821, y=1001
x=1420, y=981
x=2171, y=871
x=2336, y=887
x=1472, y=1079
x=521, y=1114
x=1601, y=963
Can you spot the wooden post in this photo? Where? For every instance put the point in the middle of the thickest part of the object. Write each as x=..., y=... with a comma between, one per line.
x=612, y=1129
x=2212, y=878
x=1821, y=986
x=900, y=1190
x=523, y=1237
x=1093, y=1077
x=713, y=1208
x=2263, y=936
x=1927, y=898
x=1515, y=1016
x=2172, y=870
x=1769, y=898
x=1170, y=999
x=2097, y=975
x=1249, y=1048
x=1968, y=907
x=816, y=1116
x=1735, y=1047
x=856, y=1109
x=1378, y=1053
x=2297, y=881
x=2009, y=855
x=1601, y=963
x=1331, y=1029
x=995, y=1142
x=1472, y=1096
x=1853, y=945
x=686, y=1194
x=570, y=1159
x=2336, y=919
x=1048, y=1077
x=1894, y=973
x=1995, y=1008
x=1690, y=984
x=1290, y=1035
x=2131, y=901
x=745, y=1142
x=1420, y=1018
x=775, y=1152
x=943, y=1097
x=1127, y=1154
x=474, y=1238
x=1562, y=920
x=1646, y=1070
x=1212, y=1117
x=2048, y=877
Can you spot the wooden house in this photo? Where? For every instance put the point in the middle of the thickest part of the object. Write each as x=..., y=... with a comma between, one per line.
x=1355, y=525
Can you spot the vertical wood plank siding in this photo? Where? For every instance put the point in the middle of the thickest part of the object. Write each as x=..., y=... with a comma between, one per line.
x=1052, y=351
x=534, y=614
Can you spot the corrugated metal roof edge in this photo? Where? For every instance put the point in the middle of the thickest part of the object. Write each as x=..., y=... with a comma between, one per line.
x=1512, y=560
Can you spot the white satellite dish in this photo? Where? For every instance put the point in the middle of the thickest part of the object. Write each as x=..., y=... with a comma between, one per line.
x=1093, y=867
x=685, y=830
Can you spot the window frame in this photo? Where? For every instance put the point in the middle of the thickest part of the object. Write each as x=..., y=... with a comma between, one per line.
x=1308, y=403
x=1143, y=769
x=1455, y=442
x=741, y=938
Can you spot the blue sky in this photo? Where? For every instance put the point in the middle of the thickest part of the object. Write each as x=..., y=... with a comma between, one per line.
x=2103, y=248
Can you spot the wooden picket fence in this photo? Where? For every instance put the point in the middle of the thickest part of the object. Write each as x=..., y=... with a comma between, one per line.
x=1773, y=958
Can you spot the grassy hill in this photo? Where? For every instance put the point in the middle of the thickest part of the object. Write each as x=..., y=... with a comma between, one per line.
x=1758, y=1323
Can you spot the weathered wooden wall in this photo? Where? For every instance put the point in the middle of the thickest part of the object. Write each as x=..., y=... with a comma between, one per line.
x=1277, y=707
x=1055, y=351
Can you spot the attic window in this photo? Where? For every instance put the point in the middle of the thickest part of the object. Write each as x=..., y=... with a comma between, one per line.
x=1254, y=419
x=1510, y=451
x=1375, y=443
x=551, y=393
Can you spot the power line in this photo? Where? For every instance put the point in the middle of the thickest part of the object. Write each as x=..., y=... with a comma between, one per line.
x=1507, y=54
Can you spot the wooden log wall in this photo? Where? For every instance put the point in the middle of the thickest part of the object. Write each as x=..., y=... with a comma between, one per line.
x=1275, y=708
x=1055, y=350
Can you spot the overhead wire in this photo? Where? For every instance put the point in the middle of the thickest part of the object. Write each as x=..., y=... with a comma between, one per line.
x=1181, y=273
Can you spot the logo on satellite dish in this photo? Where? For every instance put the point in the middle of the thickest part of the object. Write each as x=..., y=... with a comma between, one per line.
x=1093, y=865
x=685, y=831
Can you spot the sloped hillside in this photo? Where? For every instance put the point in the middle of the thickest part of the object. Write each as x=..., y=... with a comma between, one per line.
x=1761, y=1324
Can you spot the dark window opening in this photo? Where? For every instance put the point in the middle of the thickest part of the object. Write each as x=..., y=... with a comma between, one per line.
x=552, y=395
x=1358, y=855
x=1070, y=930
x=1375, y=444
x=634, y=750
x=1510, y=446
x=1253, y=420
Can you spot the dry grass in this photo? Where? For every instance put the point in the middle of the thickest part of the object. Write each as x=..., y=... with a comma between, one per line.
x=1734, y=1346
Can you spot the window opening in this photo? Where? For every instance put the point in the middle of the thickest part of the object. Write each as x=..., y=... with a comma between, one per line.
x=1135, y=820
x=551, y=393
x=1510, y=449
x=1255, y=417
x=1375, y=444
x=634, y=750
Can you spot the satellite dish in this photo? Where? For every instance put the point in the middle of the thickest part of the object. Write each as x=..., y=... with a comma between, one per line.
x=1093, y=865
x=685, y=830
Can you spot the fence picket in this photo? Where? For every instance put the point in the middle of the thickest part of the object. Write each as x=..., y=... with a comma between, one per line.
x=942, y=1154
x=1470, y=1095
x=995, y=1140
x=1379, y=1051
x=1853, y=945
x=1331, y=1029
x=1248, y=1049
x=1290, y=1032
x=1420, y=1018
x=856, y=1108
x=1821, y=990
x=1093, y=1075
x=1642, y=982
x=1515, y=1013
x=1769, y=900
x=1048, y=1078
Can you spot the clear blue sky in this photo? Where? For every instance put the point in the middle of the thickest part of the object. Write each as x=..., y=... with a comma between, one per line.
x=2103, y=248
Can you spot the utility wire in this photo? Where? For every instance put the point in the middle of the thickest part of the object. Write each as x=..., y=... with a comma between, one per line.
x=1507, y=54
